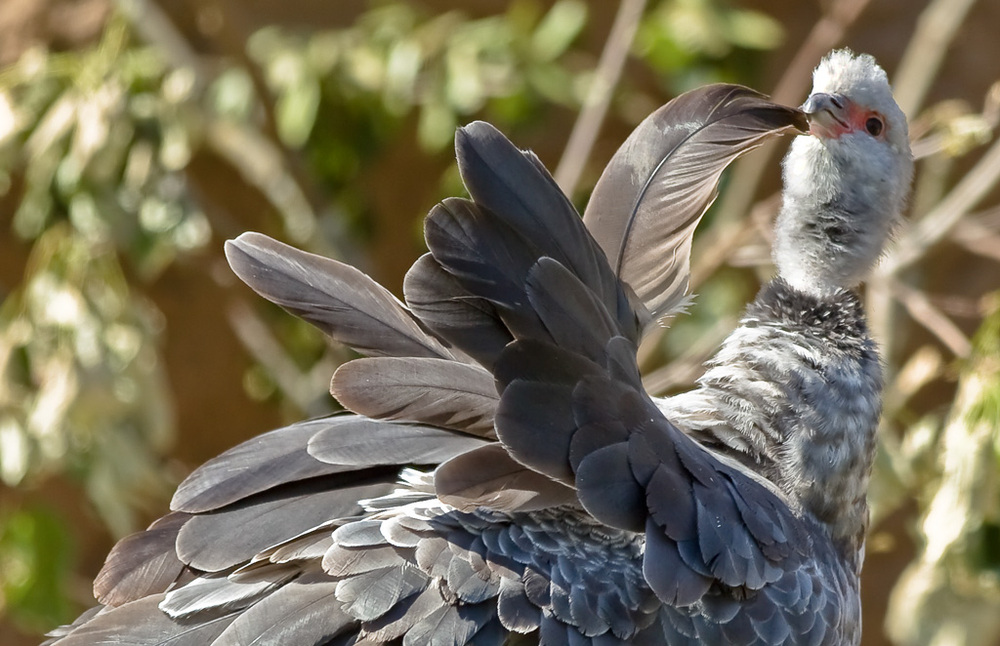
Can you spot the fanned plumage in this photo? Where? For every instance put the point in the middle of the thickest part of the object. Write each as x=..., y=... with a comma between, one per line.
x=418, y=389
x=505, y=480
x=261, y=463
x=141, y=564
x=572, y=376
x=653, y=192
x=506, y=181
x=141, y=623
x=338, y=299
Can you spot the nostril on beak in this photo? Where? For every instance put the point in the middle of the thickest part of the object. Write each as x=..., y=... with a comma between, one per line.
x=813, y=104
x=821, y=101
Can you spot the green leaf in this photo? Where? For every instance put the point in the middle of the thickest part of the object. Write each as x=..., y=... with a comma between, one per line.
x=437, y=125
x=296, y=111
x=753, y=30
x=558, y=29
x=36, y=558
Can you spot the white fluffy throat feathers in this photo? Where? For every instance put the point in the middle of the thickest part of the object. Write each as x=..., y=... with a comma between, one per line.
x=846, y=182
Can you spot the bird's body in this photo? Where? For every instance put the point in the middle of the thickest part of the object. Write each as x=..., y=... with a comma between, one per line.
x=794, y=394
x=554, y=501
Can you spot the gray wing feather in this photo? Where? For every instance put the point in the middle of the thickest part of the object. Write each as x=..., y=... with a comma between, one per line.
x=141, y=564
x=446, y=307
x=373, y=442
x=61, y=631
x=140, y=623
x=404, y=616
x=489, y=477
x=259, y=464
x=223, y=539
x=222, y=594
x=337, y=298
x=307, y=547
x=515, y=610
x=370, y=595
x=652, y=194
x=439, y=392
x=302, y=612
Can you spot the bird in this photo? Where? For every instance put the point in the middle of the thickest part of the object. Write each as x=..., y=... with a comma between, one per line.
x=502, y=477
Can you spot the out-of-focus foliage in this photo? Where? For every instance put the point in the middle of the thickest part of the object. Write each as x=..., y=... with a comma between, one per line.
x=96, y=142
x=395, y=59
x=96, y=145
x=341, y=95
x=101, y=137
x=692, y=42
x=950, y=594
x=82, y=389
x=36, y=557
x=99, y=142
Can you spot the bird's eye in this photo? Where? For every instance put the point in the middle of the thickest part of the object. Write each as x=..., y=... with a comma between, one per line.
x=874, y=126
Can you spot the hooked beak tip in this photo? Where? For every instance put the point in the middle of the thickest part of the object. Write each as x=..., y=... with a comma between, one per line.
x=826, y=114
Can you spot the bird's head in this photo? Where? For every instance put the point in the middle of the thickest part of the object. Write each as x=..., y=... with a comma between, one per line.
x=846, y=182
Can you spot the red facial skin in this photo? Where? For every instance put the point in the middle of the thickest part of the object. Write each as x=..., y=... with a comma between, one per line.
x=833, y=121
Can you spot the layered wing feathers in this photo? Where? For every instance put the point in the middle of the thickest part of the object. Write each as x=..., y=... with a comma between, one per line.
x=654, y=191
x=593, y=520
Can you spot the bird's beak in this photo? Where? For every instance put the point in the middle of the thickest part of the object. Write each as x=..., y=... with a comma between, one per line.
x=828, y=114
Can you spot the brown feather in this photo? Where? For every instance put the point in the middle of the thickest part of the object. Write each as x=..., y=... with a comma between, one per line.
x=341, y=301
x=141, y=564
x=652, y=194
x=444, y=393
x=489, y=477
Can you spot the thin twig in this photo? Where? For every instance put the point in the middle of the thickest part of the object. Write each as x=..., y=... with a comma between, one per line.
x=919, y=306
x=940, y=221
x=921, y=368
x=683, y=370
x=260, y=342
x=153, y=25
x=977, y=239
x=936, y=29
x=262, y=164
x=730, y=238
x=595, y=106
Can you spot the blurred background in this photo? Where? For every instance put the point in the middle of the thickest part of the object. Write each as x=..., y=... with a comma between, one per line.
x=136, y=136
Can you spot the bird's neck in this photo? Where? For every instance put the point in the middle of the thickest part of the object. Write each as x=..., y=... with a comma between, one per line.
x=835, y=218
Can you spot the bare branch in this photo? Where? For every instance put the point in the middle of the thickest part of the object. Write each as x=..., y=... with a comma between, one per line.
x=155, y=27
x=919, y=306
x=936, y=29
x=683, y=370
x=945, y=216
x=261, y=344
x=262, y=164
x=595, y=106
x=977, y=239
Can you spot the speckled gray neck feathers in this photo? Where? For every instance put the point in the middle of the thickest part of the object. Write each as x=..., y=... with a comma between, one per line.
x=795, y=393
x=839, y=319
